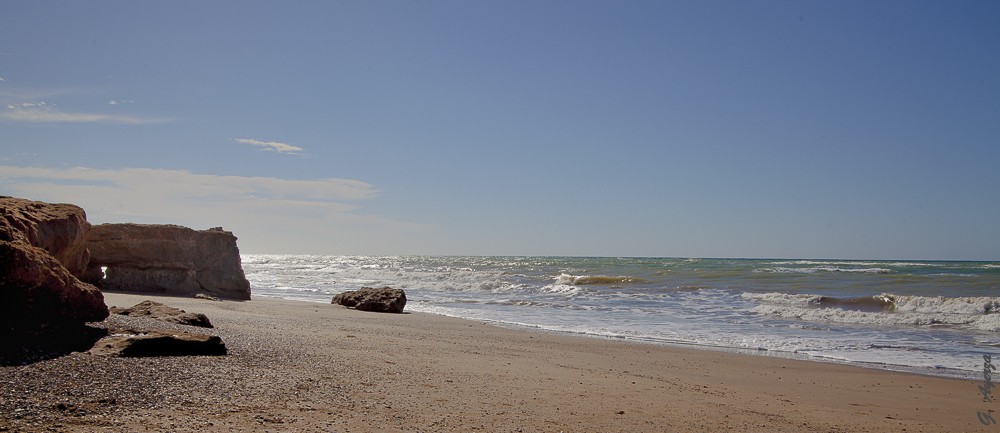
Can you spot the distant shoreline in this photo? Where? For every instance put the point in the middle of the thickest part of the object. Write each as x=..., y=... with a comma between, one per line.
x=842, y=259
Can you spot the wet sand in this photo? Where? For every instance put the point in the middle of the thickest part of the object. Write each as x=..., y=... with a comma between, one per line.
x=309, y=367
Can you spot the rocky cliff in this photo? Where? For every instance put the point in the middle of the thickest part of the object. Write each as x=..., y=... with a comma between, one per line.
x=42, y=249
x=166, y=259
x=59, y=229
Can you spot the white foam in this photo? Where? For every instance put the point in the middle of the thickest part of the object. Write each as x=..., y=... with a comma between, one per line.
x=815, y=269
x=562, y=289
x=855, y=263
x=975, y=312
x=940, y=304
x=821, y=263
x=782, y=298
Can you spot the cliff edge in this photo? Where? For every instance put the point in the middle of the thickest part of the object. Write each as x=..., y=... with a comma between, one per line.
x=166, y=259
x=42, y=246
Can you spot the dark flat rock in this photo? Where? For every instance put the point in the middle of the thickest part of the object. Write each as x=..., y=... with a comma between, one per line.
x=158, y=311
x=129, y=343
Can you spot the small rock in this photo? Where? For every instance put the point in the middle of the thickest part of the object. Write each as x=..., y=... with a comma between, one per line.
x=158, y=311
x=383, y=300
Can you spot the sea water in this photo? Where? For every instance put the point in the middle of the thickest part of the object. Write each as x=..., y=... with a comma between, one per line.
x=929, y=316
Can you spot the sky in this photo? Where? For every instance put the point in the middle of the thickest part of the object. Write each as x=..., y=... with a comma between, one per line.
x=788, y=129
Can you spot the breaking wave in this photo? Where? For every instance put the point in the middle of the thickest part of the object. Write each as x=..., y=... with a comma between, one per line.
x=864, y=303
x=814, y=269
x=583, y=280
x=981, y=313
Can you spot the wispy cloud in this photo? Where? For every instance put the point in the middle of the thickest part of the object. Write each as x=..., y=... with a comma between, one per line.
x=274, y=146
x=26, y=105
x=14, y=94
x=42, y=112
x=269, y=214
x=191, y=186
x=120, y=101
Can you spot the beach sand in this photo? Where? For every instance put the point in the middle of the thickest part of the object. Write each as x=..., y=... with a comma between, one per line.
x=310, y=367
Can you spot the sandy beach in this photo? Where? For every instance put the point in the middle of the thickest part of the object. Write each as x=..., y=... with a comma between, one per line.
x=310, y=367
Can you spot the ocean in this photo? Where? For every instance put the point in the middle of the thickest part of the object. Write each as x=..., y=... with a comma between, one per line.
x=928, y=317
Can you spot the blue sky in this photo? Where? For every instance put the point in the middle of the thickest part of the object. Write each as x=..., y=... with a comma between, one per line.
x=710, y=129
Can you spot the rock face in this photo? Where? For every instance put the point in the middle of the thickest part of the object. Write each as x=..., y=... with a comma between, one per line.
x=383, y=300
x=166, y=259
x=41, y=251
x=59, y=229
x=43, y=306
x=157, y=311
x=128, y=343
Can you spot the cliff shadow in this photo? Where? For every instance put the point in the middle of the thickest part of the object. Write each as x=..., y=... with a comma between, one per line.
x=31, y=347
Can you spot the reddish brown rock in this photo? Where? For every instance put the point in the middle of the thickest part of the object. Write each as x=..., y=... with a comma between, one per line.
x=166, y=259
x=59, y=229
x=40, y=299
x=36, y=290
x=383, y=300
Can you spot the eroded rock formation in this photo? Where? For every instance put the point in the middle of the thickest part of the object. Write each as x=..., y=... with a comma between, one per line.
x=59, y=229
x=383, y=300
x=166, y=259
x=41, y=251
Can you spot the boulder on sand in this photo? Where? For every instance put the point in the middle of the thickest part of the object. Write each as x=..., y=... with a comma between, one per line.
x=383, y=300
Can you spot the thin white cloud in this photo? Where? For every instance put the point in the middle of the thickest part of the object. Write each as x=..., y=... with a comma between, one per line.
x=268, y=214
x=274, y=146
x=23, y=105
x=181, y=183
x=40, y=112
x=2, y=79
x=11, y=94
x=120, y=101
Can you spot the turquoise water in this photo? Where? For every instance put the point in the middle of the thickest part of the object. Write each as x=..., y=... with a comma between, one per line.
x=928, y=316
